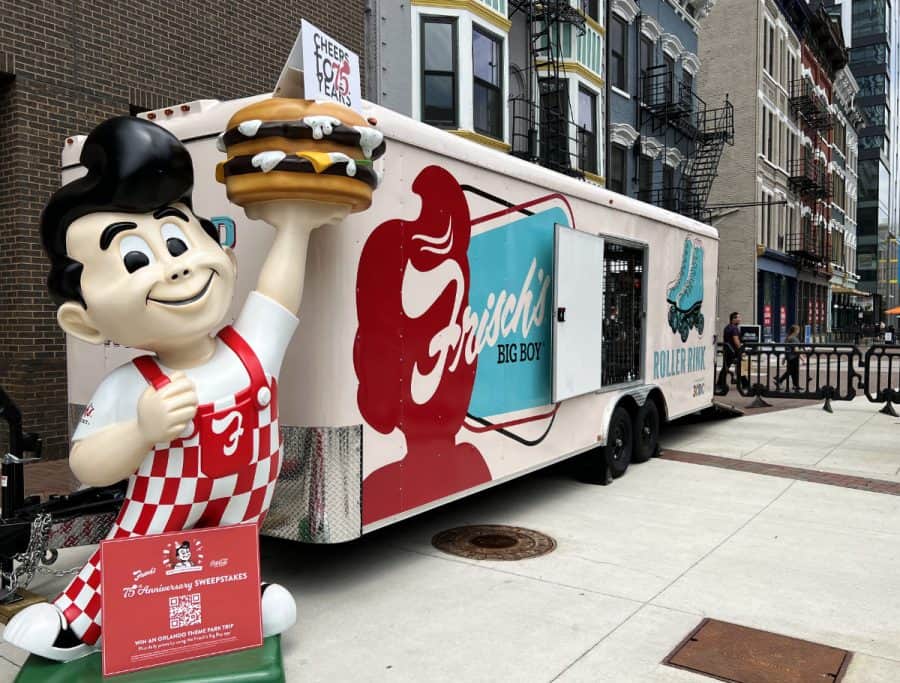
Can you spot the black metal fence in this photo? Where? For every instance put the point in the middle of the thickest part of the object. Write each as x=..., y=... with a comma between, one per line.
x=829, y=372
x=881, y=376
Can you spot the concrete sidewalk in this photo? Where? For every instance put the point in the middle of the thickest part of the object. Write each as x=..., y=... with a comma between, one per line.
x=856, y=439
x=638, y=565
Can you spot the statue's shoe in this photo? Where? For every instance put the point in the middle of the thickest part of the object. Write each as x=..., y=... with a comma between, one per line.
x=42, y=630
x=279, y=611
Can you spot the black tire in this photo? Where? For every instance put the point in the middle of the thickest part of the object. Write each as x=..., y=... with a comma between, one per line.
x=619, y=443
x=602, y=465
x=646, y=432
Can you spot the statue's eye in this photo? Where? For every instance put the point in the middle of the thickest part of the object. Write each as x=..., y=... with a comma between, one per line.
x=174, y=238
x=135, y=252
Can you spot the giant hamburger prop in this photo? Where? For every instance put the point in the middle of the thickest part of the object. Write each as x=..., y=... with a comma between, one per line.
x=293, y=149
x=299, y=165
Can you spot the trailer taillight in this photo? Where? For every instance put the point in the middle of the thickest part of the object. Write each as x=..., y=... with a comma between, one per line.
x=168, y=112
x=185, y=107
x=151, y=116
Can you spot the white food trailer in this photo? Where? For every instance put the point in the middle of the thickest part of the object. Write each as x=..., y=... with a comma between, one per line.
x=484, y=318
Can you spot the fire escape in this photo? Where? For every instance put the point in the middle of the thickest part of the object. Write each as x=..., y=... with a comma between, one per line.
x=670, y=109
x=809, y=178
x=541, y=119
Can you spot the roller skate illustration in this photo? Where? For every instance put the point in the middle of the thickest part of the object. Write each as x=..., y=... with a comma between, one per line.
x=685, y=295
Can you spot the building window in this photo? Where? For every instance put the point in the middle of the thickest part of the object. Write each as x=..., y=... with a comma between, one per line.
x=769, y=148
x=670, y=75
x=587, y=130
x=669, y=187
x=554, y=128
x=871, y=85
x=648, y=60
x=615, y=177
x=869, y=18
x=768, y=47
x=788, y=228
x=439, y=103
x=761, y=233
x=591, y=8
x=876, y=114
x=870, y=54
x=687, y=90
x=488, y=87
x=763, y=136
x=645, y=177
x=618, y=49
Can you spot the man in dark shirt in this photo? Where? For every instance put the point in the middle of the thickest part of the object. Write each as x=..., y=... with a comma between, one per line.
x=732, y=338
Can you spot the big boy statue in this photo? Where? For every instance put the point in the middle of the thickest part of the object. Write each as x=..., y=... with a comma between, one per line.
x=194, y=426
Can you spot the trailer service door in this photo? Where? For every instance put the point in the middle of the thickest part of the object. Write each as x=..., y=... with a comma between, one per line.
x=578, y=319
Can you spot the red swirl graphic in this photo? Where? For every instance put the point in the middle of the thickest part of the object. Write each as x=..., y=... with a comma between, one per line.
x=412, y=290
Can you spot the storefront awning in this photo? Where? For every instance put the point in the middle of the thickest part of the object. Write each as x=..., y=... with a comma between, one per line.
x=838, y=289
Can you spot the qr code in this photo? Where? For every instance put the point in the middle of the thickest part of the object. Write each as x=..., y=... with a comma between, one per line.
x=184, y=610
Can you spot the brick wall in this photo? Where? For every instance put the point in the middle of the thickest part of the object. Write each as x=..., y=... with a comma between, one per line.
x=66, y=65
x=729, y=54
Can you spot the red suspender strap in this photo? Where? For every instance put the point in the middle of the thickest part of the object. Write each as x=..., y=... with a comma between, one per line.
x=147, y=366
x=242, y=349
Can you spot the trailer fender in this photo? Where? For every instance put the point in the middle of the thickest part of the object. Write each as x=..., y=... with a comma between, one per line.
x=632, y=398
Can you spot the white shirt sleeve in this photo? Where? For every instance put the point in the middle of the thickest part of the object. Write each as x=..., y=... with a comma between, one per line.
x=267, y=327
x=115, y=400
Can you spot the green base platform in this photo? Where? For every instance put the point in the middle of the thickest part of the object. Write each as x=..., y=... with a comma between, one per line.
x=259, y=665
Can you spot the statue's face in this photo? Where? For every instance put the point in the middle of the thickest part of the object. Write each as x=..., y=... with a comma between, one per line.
x=149, y=280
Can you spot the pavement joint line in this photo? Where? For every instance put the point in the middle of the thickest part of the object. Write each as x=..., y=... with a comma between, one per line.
x=478, y=564
x=676, y=579
x=848, y=481
x=844, y=440
x=753, y=450
x=588, y=651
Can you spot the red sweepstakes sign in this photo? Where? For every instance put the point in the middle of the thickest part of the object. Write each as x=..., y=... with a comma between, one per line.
x=179, y=596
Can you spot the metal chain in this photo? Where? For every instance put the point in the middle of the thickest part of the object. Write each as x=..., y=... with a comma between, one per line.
x=33, y=555
x=49, y=558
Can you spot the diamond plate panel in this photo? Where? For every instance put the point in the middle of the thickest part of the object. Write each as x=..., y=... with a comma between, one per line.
x=85, y=530
x=318, y=498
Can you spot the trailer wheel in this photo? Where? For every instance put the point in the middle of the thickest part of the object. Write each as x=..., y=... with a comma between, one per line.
x=619, y=443
x=646, y=432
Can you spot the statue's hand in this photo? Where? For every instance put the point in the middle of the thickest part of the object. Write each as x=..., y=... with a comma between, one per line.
x=163, y=414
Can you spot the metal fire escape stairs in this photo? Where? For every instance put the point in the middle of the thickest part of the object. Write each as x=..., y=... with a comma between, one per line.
x=809, y=177
x=541, y=120
x=673, y=112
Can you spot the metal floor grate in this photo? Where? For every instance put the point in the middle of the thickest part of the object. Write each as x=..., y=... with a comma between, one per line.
x=739, y=654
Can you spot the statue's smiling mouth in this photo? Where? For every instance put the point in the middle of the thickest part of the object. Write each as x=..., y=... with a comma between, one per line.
x=189, y=300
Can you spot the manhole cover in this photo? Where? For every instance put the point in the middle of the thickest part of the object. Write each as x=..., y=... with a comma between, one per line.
x=746, y=655
x=493, y=542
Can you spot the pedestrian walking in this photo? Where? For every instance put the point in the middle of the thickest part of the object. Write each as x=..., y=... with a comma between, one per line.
x=733, y=343
x=793, y=359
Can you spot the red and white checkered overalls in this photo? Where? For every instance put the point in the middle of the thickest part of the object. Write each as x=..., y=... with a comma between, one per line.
x=223, y=473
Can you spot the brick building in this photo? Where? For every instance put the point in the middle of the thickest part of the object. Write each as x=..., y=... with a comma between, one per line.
x=778, y=240
x=64, y=67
